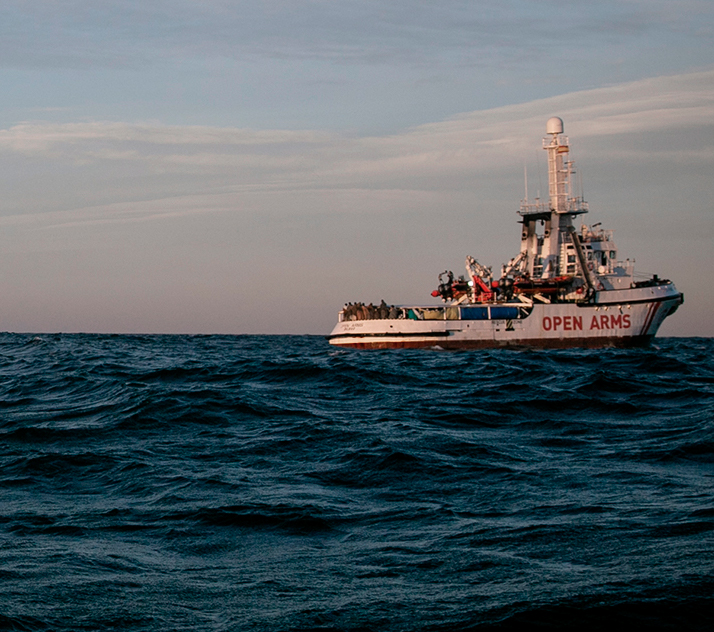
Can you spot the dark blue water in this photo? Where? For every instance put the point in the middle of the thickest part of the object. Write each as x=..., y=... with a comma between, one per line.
x=276, y=483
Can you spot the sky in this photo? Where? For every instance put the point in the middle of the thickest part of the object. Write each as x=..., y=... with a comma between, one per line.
x=243, y=167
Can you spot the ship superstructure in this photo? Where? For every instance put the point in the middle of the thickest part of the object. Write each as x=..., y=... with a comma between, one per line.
x=566, y=287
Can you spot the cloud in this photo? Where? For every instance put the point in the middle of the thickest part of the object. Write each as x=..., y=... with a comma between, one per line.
x=129, y=32
x=430, y=156
x=32, y=137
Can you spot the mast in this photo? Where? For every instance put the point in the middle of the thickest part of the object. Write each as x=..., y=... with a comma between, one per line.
x=557, y=173
x=548, y=253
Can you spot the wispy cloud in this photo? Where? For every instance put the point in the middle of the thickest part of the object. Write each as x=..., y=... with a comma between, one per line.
x=34, y=136
x=403, y=31
x=224, y=164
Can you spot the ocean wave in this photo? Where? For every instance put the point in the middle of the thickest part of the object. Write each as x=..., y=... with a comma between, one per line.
x=268, y=482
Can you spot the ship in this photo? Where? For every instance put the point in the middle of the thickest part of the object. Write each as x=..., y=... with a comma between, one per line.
x=566, y=288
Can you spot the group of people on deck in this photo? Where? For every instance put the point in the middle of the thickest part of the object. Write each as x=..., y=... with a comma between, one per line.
x=360, y=311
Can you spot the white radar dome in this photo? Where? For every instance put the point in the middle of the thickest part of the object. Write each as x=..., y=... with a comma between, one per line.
x=554, y=125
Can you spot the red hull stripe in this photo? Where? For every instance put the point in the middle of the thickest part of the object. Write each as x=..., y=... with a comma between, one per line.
x=542, y=343
x=650, y=317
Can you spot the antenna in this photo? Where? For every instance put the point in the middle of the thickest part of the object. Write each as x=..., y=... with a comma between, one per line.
x=525, y=176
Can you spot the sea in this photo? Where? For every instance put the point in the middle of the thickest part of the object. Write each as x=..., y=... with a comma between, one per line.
x=275, y=483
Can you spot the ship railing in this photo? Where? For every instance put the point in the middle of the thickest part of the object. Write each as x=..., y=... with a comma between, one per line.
x=450, y=312
x=563, y=141
x=576, y=205
x=534, y=208
x=572, y=205
x=600, y=235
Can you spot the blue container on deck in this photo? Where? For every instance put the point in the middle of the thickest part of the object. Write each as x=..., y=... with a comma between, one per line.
x=507, y=313
x=474, y=313
x=482, y=313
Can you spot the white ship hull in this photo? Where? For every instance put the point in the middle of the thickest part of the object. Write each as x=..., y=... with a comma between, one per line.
x=618, y=318
x=565, y=288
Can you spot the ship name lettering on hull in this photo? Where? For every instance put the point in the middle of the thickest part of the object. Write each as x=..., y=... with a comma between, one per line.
x=575, y=323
